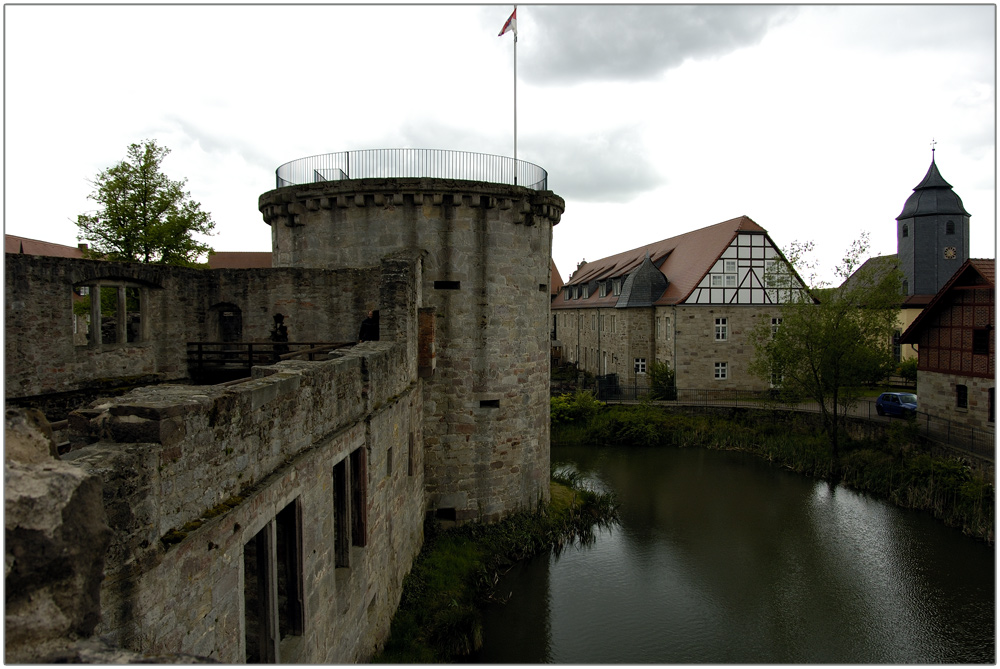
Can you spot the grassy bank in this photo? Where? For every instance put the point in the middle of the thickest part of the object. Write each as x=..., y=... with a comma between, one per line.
x=454, y=575
x=895, y=469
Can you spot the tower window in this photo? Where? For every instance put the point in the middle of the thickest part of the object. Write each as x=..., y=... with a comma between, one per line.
x=906, y=287
x=949, y=228
x=906, y=230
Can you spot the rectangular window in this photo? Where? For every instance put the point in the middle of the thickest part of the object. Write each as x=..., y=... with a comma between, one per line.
x=616, y=286
x=593, y=322
x=257, y=619
x=359, y=497
x=775, y=324
x=730, y=281
x=897, y=347
x=730, y=266
x=288, y=545
x=133, y=317
x=721, y=329
x=388, y=461
x=962, y=397
x=341, y=515
x=585, y=290
x=613, y=324
x=447, y=285
x=717, y=280
x=722, y=370
x=981, y=341
x=991, y=405
x=567, y=293
x=602, y=289
x=640, y=366
x=667, y=326
x=109, y=314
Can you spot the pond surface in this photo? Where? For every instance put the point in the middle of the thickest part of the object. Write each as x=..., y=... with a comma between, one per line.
x=720, y=558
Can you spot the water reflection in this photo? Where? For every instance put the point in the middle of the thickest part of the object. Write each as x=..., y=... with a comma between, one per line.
x=723, y=559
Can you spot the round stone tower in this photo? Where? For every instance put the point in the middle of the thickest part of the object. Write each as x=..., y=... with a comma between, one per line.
x=484, y=293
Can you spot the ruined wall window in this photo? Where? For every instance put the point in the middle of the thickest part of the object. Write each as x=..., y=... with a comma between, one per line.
x=359, y=497
x=257, y=619
x=109, y=314
x=341, y=515
x=272, y=585
x=121, y=307
x=288, y=564
x=961, y=397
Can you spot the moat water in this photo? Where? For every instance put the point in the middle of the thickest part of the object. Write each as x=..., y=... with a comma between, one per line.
x=720, y=558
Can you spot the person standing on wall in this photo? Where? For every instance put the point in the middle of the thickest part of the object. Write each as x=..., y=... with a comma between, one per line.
x=369, y=327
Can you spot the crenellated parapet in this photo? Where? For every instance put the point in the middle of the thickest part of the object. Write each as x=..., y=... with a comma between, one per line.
x=287, y=206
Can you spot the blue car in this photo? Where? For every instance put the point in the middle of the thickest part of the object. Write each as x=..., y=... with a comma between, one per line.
x=896, y=404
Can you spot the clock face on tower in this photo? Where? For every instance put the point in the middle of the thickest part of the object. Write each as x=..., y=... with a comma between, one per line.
x=949, y=252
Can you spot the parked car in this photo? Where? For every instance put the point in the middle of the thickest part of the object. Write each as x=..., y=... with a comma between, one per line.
x=896, y=404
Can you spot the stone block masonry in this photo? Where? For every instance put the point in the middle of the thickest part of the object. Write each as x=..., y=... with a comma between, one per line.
x=192, y=475
x=486, y=252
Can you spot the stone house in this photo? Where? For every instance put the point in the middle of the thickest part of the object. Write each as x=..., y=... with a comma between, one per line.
x=689, y=301
x=956, y=339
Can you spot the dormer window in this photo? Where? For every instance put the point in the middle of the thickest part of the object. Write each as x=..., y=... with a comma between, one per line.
x=616, y=286
x=602, y=288
x=585, y=291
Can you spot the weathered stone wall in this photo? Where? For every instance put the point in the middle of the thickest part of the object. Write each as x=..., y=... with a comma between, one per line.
x=620, y=336
x=486, y=275
x=181, y=305
x=170, y=456
x=938, y=397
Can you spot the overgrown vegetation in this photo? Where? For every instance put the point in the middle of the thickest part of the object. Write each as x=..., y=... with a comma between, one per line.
x=892, y=468
x=454, y=576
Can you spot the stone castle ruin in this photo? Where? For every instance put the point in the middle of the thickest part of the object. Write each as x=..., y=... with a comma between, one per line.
x=273, y=517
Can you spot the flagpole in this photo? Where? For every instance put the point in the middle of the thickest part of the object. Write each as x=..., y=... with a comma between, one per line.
x=515, y=101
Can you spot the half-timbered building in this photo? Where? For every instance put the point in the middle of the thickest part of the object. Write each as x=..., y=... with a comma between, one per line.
x=956, y=341
x=689, y=301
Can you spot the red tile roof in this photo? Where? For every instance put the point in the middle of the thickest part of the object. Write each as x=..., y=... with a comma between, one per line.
x=556, y=282
x=683, y=259
x=34, y=247
x=239, y=259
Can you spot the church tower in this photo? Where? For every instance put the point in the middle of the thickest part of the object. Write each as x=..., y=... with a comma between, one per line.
x=932, y=235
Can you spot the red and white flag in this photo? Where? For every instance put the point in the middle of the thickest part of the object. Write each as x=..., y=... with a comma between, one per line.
x=511, y=24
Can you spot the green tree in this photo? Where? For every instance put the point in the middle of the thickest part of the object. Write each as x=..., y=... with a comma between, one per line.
x=143, y=216
x=826, y=350
x=661, y=381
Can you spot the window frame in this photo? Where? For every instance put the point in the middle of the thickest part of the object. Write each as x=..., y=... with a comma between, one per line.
x=721, y=371
x=722, y=328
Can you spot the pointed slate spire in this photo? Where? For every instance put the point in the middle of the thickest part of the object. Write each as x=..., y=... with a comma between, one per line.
x=932, y=196
x=643, y=286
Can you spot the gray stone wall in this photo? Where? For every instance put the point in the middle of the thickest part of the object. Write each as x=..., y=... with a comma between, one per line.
x=487, y=250
x=180, y=305
x=170, y=456
x=938, y=397
x=682, y=336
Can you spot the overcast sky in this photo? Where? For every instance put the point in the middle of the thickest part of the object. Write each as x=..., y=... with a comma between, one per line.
x=652, y=121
